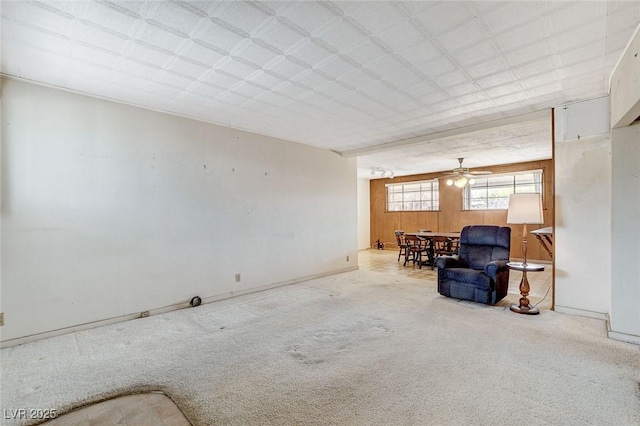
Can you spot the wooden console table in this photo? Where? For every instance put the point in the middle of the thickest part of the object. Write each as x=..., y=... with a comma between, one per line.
x=545, y=236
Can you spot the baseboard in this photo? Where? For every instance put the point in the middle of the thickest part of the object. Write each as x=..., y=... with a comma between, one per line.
x=581, y=312
x=86, y=326
x=623, y=337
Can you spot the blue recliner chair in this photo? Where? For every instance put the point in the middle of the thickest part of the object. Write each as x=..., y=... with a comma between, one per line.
x=479, y=271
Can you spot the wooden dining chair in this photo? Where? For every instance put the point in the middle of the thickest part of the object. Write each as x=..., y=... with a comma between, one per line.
x=440, y=246
x=416, y=249
x=402, y=245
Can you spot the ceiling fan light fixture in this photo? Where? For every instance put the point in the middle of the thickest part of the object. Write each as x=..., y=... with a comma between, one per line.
x=461, y=182
x=449, y=182
x=472, y=181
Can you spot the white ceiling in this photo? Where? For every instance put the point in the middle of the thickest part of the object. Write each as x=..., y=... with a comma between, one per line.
x=353, y=77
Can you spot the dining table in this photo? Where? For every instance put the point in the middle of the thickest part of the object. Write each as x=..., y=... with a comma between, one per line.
x=428, y=236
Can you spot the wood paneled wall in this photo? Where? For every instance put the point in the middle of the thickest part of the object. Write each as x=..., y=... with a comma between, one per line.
x=451, y=217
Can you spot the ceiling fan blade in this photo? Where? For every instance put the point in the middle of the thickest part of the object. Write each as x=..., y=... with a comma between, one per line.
x=481, y=172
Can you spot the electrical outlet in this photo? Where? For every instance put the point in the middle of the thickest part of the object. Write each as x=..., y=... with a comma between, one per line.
x=237, y=278
x=1, y=319
x=144, y=314
x=347, y=258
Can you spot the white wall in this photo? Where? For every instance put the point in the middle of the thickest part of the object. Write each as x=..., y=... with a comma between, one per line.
x=582, y=234
x=109, y=210
x=625, y=260
x=625, y=206
x=364, y=214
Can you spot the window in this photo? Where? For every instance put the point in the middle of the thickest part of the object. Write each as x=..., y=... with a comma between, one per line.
x=413, y=196
x=492, y=192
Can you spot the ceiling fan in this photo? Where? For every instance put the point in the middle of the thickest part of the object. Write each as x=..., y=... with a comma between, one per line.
x=460, y=176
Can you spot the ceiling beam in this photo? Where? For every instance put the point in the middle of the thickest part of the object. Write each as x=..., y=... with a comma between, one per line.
x=387, y=146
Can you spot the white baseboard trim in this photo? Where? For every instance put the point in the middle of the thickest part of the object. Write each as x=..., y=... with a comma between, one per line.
x=581, y=312
x=623, y=337
x=181, y=305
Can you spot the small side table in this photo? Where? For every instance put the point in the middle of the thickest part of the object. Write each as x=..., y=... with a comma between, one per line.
x=525, y=307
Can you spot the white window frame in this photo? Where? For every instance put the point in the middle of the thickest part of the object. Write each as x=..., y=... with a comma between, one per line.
x=483, y=182
x=406, y=203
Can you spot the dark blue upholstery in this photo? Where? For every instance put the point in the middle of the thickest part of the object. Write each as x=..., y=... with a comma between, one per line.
x=479, y=271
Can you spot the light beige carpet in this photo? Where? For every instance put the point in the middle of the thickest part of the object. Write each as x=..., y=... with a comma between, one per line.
x=360, y=348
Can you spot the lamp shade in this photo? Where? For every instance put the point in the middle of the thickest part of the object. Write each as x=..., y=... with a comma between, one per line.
x=525, y=208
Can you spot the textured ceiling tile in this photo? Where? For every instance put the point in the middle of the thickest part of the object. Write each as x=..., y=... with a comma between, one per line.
x=152, y=55
x=238, y=67
x=511, y=98
x=461, y=89
x=159, y=37
x=540, y=80
x=46, y=16
x=286, y=67
x=401, y=36
x=543, y=66
x=509, y=15
x=578, y=37
x=99, y=37
x=311, y=53
x=528, y=53
x=251, y=51
x=452, y=78
x=94, y=55
x=201, y=52
x=280, y=36
x=220, y=78
x=117, y=20
x=173, y=17
x=366, y=52
x=437, y=66
x=474, y=99
x=311, y=79
x=207, y=90
x=336, y=67
x=407, y=77
x=249, y=90
x=444, y=16
x=334, y=90
x=375, y=17
x=585, y=53
x=386, y=66
x=479, y=52
x=310, y=16
x=471, y=34
x=244, y=16
x=342, y=36
x=421, y=53
x=490, y=67
x=290, y=89
x=420, y=90
x=212, y=34
x=523, y=35
x=359, y=79
x=267, y=79
x=576, y=14
x=498, y=79
x=504, y=89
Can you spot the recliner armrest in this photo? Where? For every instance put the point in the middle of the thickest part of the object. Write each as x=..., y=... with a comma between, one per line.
x=454, y=261
x=492, y=268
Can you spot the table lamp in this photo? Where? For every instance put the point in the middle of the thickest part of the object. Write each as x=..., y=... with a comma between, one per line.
x=524, y=209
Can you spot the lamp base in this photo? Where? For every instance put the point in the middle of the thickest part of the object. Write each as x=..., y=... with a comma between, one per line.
x=525, y=309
